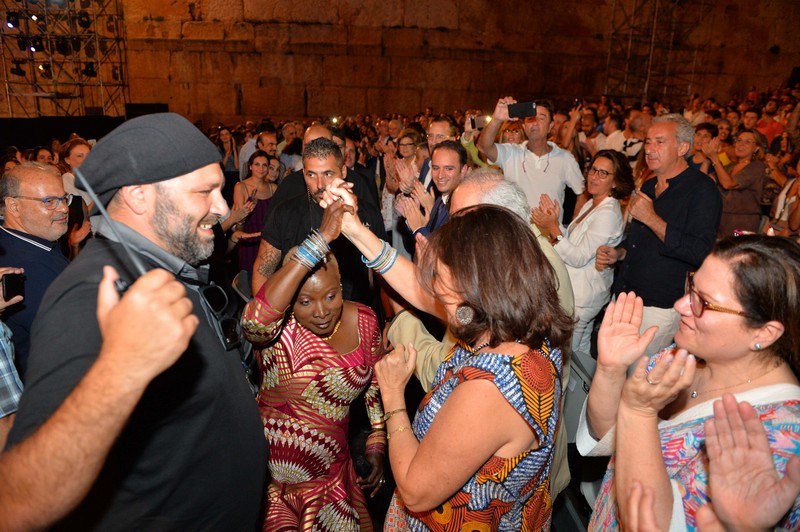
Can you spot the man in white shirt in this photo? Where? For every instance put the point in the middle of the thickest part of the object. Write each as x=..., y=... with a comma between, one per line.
x=537, y=166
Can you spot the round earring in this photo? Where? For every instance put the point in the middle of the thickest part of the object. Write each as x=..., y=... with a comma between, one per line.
x=464, y=314
x=757, y=347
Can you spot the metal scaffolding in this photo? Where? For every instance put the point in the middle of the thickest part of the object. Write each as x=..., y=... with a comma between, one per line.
x=655, y=48
x=63, y=58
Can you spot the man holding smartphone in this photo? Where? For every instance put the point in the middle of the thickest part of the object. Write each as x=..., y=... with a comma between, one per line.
x=10, y=385
x=537, y=166
x=36, y=217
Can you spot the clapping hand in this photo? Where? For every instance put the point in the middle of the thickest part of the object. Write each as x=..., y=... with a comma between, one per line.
x=649, y=392
x=618, y=342
x=425, y=198
x=748, y=493
x=545, y=216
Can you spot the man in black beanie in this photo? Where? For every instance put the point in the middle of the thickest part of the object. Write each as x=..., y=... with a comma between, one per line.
x=193, y=455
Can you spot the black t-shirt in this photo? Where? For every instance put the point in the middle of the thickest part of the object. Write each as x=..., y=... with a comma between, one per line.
x=290, y=221
x=193, y=455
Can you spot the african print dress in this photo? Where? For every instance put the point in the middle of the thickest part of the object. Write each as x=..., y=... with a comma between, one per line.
x=304, y=400
x=506, y=494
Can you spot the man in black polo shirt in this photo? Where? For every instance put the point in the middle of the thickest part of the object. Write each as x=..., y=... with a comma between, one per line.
x=674, y=222
x=36, y=209
x=193, y=455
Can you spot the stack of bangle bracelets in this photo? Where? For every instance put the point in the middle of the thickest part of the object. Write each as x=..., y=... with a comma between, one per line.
x=384, y=261
x=312, y=251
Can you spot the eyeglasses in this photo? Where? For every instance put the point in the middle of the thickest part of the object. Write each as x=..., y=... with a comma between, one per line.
x=700, y=305
x=602, y=173
x=50, y=202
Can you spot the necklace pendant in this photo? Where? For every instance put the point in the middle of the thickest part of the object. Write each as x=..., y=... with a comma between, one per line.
x=694, y=394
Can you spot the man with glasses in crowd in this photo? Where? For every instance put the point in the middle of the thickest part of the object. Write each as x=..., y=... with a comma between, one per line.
x=36, y=213
x=193, y=455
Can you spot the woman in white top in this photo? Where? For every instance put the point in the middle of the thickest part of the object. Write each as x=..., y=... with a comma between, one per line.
x=599, y=223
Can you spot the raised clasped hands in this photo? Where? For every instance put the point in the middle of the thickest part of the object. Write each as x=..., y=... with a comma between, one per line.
x=340, y=191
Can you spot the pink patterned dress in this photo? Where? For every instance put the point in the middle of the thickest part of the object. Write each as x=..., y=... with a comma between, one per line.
x=305, y=396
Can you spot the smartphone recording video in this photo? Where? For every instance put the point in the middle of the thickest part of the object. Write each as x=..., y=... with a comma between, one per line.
x=522, y=109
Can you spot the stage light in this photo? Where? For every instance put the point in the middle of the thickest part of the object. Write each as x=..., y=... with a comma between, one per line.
x=89, y=49
x=37, y=45
x=116, y=73
x=84, y=20
x=62, y=45
x=34, y=18
x=89, y=70
x=46, y=71
x=22, y=42
x=12, y=19
x=76, y=44
x=17, y=70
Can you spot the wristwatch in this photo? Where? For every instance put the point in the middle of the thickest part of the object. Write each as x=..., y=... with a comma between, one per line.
x=557, y=238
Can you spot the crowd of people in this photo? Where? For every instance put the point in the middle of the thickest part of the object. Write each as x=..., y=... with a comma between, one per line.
x=319, y=274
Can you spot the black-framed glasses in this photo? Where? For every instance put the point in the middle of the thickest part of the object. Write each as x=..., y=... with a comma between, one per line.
x=602, y=173
x=700, y=305
x=227, y=328
x=50, y=203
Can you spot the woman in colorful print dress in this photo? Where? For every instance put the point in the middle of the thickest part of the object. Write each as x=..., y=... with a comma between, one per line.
x=740, y=320
x=317, y=354
x=479, y=452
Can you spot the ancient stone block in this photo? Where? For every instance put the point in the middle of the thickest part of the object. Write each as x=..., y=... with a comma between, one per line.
x=204, y=31
x=226, y=10
x=355, y=71
x=384, y=100
x=271, y=37
x=307, y=11
x=387, y=14
x=426, y=14
x=239, y=31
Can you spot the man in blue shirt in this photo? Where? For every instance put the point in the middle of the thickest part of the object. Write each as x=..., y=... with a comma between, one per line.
x=36, y=209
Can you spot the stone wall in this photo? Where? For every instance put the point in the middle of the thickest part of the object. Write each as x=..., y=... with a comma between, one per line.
x=230, y=60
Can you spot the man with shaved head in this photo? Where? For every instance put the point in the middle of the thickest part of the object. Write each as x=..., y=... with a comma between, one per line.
x=36, y=212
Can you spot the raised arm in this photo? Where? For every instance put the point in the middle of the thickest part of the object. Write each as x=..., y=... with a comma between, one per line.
x=402, y=274
x=618, y=346
x=277, y=292
x=486, y=142
x=49, y=473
